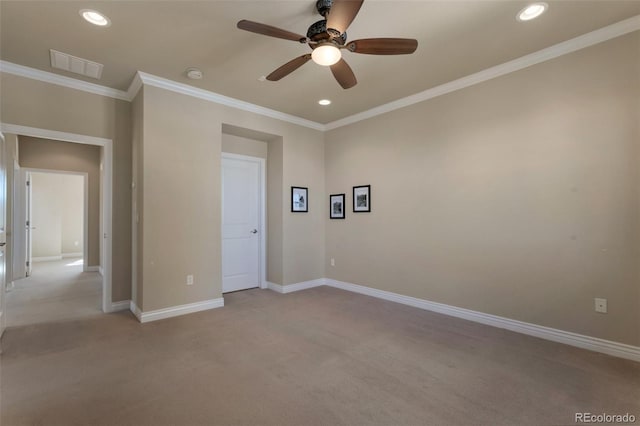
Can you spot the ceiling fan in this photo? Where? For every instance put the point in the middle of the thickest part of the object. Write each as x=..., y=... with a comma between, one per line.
x=328, y=37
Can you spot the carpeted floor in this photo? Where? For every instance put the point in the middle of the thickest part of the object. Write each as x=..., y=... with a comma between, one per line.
x=56, y=290
x=316, y=357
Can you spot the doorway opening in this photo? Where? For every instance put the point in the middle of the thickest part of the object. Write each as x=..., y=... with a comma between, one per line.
x=46, y=150
x=57, y=283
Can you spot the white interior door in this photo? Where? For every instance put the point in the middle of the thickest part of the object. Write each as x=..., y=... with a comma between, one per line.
x=3, y=236
x=241, y=224
x=19, y=257
x=29, y=224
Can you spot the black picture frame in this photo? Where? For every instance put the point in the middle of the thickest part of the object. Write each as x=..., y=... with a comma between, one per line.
x=362, y=199
x=336, y=206
x=299, y=199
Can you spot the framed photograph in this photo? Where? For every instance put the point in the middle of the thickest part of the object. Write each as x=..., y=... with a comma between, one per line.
x=362, y=199
x=299, y=199
x=336, y=206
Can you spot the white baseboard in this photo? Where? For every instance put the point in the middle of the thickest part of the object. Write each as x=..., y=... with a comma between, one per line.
x=45, y=259
x=135, y=310
x=608, y=347
x=120, y=306
x=175, y=311
x=284, y=289
x=101, y=271
x=67, y=255
x=92, y=269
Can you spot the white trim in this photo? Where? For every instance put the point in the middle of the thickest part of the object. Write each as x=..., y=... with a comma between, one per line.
x=135, y=310
x=60, y=80
x=608, y=347
x=93, y=269
x=263, y=209
x=603, y=34
x=53, y=134
x=68, y=255
x=284, y=289
x=185, y=89
x=107, y=224
x=101, y=272
x=120, y=306
x=107, y=194
x=175, y=311
x=45, y=258
x=272, y=286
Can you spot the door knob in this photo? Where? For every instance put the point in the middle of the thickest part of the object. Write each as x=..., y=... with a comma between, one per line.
x=255, y=231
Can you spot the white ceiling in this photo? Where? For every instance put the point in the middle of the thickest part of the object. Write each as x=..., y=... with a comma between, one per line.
x=163, y=38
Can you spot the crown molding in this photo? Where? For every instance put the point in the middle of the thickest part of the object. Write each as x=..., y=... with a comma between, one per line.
x=598, y=36
x=60, y=80
x=185, y=89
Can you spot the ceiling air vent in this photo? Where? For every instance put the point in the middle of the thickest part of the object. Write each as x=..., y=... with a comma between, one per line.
x=64, y=61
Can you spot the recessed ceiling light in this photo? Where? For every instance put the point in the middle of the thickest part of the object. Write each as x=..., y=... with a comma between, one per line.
x=324, y=102
x=532, y=11
x=95, y=17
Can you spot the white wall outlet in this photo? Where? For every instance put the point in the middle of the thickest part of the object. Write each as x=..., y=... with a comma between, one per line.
x=601, y=305
x=333, y=262
x=189, y=279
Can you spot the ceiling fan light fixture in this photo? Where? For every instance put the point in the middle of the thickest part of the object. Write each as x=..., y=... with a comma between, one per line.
x=326, y=55
x=94, y=17
x=532, y=11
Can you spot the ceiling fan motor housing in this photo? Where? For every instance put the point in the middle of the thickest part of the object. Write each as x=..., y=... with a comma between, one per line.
x=324, y=6
x=318, y=31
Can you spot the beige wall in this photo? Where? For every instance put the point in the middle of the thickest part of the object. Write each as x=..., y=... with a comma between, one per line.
x=38, y=104
x=72, y=214
x=517, y=197
x=182, y=142
x=71, y=157
x=244, y=146
x=137, y=127
x=57, y=214
x=275, y=212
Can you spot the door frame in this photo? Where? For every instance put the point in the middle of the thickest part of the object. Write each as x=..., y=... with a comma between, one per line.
x=106, y=193
x=262, y=256
x=85, y=209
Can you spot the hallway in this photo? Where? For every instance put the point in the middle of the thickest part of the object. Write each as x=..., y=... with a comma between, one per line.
x=56, y=291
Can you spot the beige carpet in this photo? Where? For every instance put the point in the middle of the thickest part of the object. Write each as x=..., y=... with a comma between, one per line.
x=317, y=357
x=57, y=290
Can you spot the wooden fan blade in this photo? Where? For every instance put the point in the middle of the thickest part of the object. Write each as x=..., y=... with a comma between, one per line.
x=268, y=30
x=344, y=74
x=342, y=14
x=289, y=67
x=383, y=46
